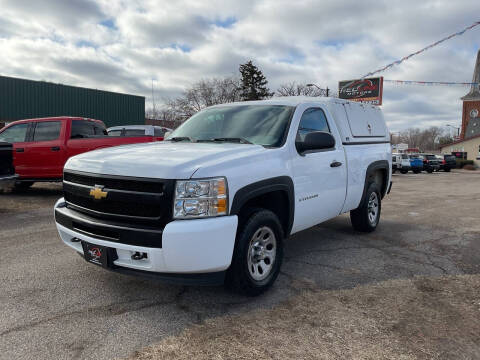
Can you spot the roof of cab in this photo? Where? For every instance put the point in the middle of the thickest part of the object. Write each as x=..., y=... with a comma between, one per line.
x=52, y=118
x=136, y=127
x=297, y=100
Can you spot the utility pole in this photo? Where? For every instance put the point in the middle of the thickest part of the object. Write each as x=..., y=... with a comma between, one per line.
x=325, y=91
x=153, y=102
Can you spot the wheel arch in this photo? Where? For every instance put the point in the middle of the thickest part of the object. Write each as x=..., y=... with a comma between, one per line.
x=274, y=194
x=377, y=167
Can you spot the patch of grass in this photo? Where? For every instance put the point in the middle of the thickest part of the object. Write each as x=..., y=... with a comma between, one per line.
x=421, y=318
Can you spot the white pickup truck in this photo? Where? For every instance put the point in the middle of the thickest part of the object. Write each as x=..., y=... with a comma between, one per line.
x=216, y=200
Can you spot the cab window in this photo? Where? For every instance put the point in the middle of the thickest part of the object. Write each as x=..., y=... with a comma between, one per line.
x=159, y=132
x=15, y=133
x=99, y=129
x=82, y=129
x=134, y=132
x=312, y=120
x=47, y=131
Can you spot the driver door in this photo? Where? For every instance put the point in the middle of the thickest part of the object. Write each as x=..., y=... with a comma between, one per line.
x=320, y=182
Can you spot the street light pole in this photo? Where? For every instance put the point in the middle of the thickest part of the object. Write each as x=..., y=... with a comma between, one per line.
x=455, y=127
x=325, y=91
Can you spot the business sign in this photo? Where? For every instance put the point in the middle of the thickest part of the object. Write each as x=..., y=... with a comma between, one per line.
x=368, y=90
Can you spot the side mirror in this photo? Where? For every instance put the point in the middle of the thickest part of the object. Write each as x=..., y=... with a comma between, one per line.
x=317, y=140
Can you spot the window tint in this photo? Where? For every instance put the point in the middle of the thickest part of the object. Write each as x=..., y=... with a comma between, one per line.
x=47, y=130
x=115, y=133
x=134, y=132
x=15, y=133
x=312, y=120
x=159, y=132
x=99, y=129
x=82, y=129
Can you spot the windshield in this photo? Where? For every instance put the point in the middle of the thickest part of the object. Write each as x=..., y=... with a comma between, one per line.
x=258, y=124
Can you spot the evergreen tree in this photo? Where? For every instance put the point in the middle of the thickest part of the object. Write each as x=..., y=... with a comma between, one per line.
x=254, y=83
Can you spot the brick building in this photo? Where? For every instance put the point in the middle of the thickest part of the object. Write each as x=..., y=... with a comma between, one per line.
x=470, y=131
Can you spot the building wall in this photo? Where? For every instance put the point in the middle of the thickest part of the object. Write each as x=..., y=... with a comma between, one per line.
x=471, y=147
x=26, y=99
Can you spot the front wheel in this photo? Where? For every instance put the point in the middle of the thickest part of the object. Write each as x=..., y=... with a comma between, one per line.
x=366, y=217
x=404, y=171
x=447, y=169
x=416, y=171
x=258, y=254
x=430, y=171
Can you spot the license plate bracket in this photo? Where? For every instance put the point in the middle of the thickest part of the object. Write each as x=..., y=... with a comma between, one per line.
x=96, y=254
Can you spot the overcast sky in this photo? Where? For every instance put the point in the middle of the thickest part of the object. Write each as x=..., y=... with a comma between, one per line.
x=121, y=45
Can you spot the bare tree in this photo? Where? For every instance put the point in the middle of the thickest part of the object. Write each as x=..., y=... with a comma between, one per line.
x=205, y=93
x=294, y=89
x=424, y=139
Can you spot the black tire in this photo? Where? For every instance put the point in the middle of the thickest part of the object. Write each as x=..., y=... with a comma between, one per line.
x=404, y=171
x=23, y=185
x=447, y=169
x=430, y=171
x=394, y=171
x=416, y=171
x=239, y=277
x=360, y=216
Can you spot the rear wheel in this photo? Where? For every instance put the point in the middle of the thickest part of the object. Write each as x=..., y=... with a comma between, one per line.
x=404, y=171
x=430, y=171
x=394, y=171
x=367, y=216
x=416, y=171
x=447, y=169
x=258, y=254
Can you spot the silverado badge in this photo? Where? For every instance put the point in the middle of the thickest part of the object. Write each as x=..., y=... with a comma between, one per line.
x=98, y=193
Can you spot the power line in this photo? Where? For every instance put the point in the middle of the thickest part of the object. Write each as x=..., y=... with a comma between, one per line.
x=422, y=50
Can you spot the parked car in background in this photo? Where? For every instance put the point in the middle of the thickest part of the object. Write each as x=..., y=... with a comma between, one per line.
x=441, y=161
x=448, y=162
x=158, y=132
x=430, y=163
x=42, y=146
x=400, y=162
x=416, y=163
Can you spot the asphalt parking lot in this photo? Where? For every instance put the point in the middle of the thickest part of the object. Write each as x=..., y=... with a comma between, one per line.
x=55, y=305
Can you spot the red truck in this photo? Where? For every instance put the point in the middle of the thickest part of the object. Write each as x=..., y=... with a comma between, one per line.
x=42, y=146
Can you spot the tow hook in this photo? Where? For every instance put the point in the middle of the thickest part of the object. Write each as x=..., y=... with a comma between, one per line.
x=139, y=256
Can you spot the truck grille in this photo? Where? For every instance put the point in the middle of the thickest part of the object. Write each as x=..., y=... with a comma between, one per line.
x=131, y=198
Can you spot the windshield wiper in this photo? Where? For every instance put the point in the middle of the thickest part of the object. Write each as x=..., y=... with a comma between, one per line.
x=232, y=139
x=181, y=138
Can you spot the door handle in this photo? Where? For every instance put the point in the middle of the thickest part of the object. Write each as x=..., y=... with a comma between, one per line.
x=336, y=164
x=55, y=148
x=20, y=150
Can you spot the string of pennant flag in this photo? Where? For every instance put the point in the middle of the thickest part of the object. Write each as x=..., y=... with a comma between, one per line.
x=431, y=83
x=422, y=50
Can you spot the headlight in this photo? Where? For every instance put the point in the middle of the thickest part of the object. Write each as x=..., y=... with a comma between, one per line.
x=200, y=198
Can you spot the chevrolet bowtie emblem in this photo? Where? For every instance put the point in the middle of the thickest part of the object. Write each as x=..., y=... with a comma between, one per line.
x=98, y=193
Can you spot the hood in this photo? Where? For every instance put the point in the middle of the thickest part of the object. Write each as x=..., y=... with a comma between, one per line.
x=164, y=160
